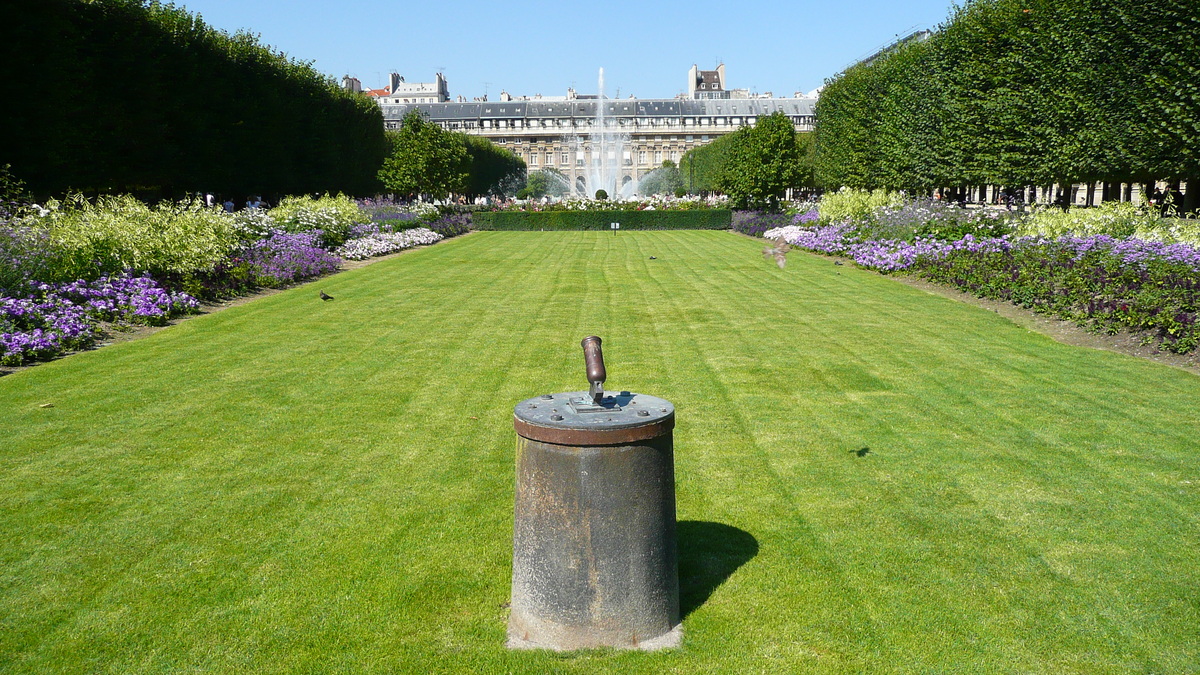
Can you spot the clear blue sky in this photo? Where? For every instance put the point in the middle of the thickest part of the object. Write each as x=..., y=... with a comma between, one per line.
x=529, y=48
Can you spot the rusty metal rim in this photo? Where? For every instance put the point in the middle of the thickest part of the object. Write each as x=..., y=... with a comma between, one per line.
x=561, y=436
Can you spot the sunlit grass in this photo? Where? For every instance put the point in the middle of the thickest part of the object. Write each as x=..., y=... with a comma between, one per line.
x=870, y=478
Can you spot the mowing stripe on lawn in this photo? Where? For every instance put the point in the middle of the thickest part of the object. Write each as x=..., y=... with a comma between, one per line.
x=870, y=477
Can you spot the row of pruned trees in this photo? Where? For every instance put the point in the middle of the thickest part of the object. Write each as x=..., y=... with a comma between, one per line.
x=138, y=96
x=1023, y=92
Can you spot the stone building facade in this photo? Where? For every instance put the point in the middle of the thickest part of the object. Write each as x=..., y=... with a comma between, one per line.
x=555, y=134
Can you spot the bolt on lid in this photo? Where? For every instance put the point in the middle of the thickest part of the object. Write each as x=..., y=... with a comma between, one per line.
x=574, y=418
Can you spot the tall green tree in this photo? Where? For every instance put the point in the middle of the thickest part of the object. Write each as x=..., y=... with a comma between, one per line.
x=547, y=182
x=1022, y=92
x=158, y=103
x=493, y=169
x=665, y=180
x=701, y=167
x=764, y=161
x=427, y=160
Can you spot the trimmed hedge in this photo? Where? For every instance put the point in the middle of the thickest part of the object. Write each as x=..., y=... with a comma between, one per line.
x=706, y=219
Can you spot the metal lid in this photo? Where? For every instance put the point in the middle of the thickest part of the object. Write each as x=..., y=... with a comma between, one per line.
x=573, y=418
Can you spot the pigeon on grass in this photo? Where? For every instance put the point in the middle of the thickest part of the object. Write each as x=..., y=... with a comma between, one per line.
x=325, y=296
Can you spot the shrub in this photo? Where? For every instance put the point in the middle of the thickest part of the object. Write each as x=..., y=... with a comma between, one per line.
x=332, y=216
x=252, y=224
x=118, y=233
x=849, y=203
x=930, y=219
x=1115, y=219
x=1171, y=231
x=702, y=219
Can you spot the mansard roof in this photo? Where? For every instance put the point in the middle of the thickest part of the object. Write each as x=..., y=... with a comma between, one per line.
x=743, y=107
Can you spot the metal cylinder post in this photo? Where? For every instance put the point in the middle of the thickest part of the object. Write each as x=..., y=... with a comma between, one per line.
x=594, y=555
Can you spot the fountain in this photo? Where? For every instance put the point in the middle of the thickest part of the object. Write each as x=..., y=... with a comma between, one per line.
x=603, y=146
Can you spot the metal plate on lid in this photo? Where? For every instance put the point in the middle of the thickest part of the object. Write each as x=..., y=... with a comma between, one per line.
x=572, y=418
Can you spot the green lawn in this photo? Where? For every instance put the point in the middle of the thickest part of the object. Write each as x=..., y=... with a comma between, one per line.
x=870, y=477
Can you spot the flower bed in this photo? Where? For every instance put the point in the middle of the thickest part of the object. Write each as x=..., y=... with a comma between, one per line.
x=1102, y=282
x=187, y=245
x=62, y=317
x=382, y=242
x=42, y=328
x=284, y=257
x=452, y=226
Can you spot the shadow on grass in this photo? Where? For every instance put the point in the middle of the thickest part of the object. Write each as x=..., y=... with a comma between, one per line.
x=709, y=553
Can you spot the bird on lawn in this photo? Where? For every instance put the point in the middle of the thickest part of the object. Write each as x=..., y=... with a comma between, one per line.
x=653, y=258
x=325, y=296
x=778, y=251
x=837, y=262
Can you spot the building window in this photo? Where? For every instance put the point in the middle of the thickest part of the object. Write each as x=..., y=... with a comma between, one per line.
x=641, y=156
x=533, y=158
x=566, y=158
x=549, y=159
x=501, y=141
x=517, y=141
x=658, y=157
